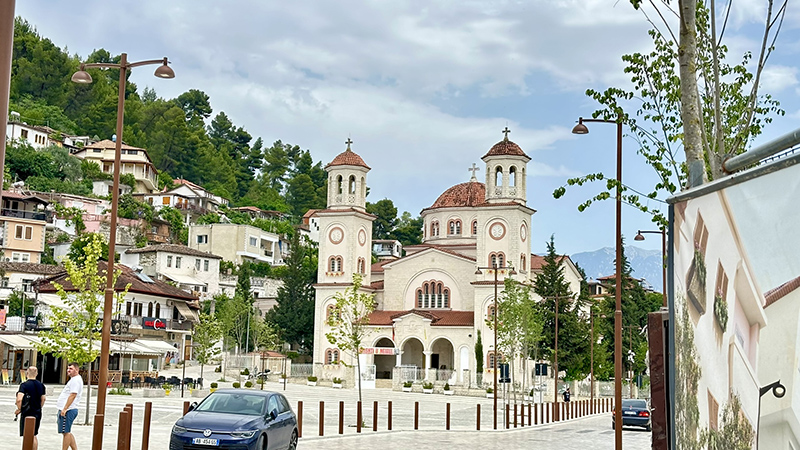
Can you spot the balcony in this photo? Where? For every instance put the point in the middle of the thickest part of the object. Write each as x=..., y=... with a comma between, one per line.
x=171, y=324
x=21, y=214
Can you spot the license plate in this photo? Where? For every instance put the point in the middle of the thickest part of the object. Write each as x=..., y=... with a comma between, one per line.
x=205, y=441
x=629, y=413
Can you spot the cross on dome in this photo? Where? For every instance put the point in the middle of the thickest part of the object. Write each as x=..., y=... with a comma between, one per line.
x=348, y=142
x=506, y=131
x=474, y=169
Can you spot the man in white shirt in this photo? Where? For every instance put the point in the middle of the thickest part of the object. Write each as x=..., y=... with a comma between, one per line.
x=67, y=405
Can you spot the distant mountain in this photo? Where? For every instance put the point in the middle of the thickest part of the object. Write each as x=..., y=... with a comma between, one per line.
x=646, y=264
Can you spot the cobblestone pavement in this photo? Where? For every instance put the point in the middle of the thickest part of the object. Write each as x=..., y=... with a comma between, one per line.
x=590, y=432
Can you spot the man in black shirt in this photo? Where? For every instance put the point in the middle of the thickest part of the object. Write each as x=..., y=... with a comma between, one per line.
x=30, y=399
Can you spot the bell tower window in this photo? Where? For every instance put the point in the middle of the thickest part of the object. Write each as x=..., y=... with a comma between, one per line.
x=433, y=295
x=512, y=176
x=498, y=176
x=351, y=189
x=339, y=182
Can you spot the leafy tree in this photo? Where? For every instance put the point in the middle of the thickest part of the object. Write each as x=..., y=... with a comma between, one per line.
x=39, y=69
x=349, y=319
x=408, y=230
x=243, y=282
x=75, y=326
x=38, y=111
x=72, y=215
x=554, y=289
x=130, y=208
x=128, y=179
x=16, y=300
x=479, y=357
x=301, y=195
x=294, y=312
x=386, y=222
x=195, y=104
x=77, y=250
x=178, y=230
x=207, y=334
x=519, y=324
x=234, y=315
x=276, y=165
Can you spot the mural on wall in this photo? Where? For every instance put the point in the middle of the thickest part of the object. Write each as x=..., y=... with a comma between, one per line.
x=736, y=303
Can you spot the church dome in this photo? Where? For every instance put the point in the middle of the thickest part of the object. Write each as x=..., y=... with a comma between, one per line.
x=471, y=193
x=348, y=158
x=506, y=148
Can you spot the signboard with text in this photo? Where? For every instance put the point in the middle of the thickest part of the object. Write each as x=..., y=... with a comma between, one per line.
x=379, y=351
x=154, y=323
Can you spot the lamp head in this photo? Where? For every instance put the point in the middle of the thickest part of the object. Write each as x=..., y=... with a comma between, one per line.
x=164, y=70
x=81, y=76
x=580, y=128
x=639, y=236
x=478, y=272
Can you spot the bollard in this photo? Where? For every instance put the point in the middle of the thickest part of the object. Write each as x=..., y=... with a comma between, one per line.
x=129, y=407
x=508, y=419
x=548, y=412
x=389, y=417
x=478, y=422
x=535, y=415
x=515, y=415
x=148, y=412
x=28, y=436
x=522, y=411
x=185, y=407
x=375, y=416
x=529, y=414
x=447, y=418
x=321, y=418
x=300, y=418
x=341, y=417
x=359, y=418
x=416, y=415
x=122, y=433
x=97, y=435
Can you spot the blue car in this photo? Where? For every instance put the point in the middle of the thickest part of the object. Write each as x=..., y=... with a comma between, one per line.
x=237, y=419
x=635, y=413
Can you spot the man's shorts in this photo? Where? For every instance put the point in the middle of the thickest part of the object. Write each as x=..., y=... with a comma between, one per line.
x=22, y=417
x=65, y=422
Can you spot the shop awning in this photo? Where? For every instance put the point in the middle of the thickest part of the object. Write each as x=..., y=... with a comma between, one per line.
x=187, y=312
x=160, y=347
x=132, y=348
x=185, y=279
x=18, y=341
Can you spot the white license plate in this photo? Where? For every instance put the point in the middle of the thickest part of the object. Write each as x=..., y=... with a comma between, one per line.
x=205, y=441
x=629, y=413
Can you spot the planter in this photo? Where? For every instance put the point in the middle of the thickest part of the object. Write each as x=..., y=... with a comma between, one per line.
x=337, y=385
x=166, y=392
x=527, y=398
x=311, y=383
x=282, y=380
x=427, y=391
x=406, y=389
x=489, y=395
x=721, y=312
x=149, y=392
x=449, y=392
x=213, y=389
x=200, y=393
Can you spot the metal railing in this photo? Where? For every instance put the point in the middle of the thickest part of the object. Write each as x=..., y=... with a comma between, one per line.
x=301, y=370
x=21, y=214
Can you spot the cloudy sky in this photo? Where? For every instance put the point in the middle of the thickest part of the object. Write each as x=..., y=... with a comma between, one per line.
x=423, y=88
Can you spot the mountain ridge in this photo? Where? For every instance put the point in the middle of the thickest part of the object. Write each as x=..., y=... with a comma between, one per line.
x=646, y=264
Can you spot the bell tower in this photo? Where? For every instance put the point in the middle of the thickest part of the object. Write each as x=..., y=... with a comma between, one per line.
x=506, y=172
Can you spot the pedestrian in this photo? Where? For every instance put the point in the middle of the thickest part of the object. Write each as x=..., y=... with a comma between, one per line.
x=566, y=395
x=67, y=406
x=30, y=400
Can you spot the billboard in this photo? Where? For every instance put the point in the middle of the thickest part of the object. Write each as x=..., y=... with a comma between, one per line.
x=735, y=310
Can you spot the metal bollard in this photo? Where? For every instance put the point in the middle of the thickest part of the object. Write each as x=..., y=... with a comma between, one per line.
x=447, y=418
x=185, y=407
x=375, y=416
x=522, y=411
x=478, y=422
x=547, y=408
x=122, y=433
x=359, y=418
x=148, y=413
x=97, y=436
x=508, y=419
x=341, y=417
x=389, y=417
x=29, y=428
x=321, y=418
x=300, y=418
x=515, y=415
x=416, y=415
x=129, y=407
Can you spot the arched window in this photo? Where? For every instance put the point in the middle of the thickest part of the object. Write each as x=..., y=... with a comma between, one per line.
x=361, y=266
x=339, y=183
x=329, y=312
x=435, y=228
x=490, y=312
x=497, y=259
x=331, y=356
x=522, y=262
x=512, y=176
x=335, y=264
x=419, y=298
x=351, y=189
x=433, y=294
x=474, y=227
x=150, y=309
x=451, y=227
x=490, y=360
x=335, y=355
x=340, y=264
x=498, y=176
x=158, y=310
x=458, y=227
x=363, y=187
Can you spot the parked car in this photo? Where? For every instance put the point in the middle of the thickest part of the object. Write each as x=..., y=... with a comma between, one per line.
x=237, y=418
x=634, y=413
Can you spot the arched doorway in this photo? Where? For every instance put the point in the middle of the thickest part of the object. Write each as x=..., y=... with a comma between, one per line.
x=384, y=363
x=413, y=359
x=442, y=358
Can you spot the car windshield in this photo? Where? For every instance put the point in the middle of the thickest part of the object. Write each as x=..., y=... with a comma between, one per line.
x=634, y=404
x=233, y=403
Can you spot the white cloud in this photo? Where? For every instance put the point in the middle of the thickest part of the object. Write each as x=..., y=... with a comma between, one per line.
x=776, y=78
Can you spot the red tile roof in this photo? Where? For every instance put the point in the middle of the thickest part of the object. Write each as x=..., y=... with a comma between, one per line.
x=504, y=148
x=438, y=318
x=537, y=261
x=348, y=158
x=128, y=276
x=376, y=285
x=173, y=248
x=469, y=194
x=775, y=294
x=109, y=144
x=441, y=248
x=39, y=269
x=378, y=266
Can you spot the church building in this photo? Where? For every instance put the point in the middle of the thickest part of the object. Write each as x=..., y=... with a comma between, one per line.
x=432, y=302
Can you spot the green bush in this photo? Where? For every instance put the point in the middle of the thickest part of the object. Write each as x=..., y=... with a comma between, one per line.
x=489, y=390
x=214, y=385
x=119, y=391
x=427, y=385
x=248, y=384
x=246, y=371
x=312, y=379
x=408, y=384
x=236, y=384
x=337, y=381
x=447, y=386
x=218, y=369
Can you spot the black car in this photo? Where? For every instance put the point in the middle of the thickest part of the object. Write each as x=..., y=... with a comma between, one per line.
x=634, y=413
x=239, y=419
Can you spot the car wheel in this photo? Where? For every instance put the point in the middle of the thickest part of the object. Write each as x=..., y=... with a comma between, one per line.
x=613, y=426
x=649, y=428
x=262, y=443
x=293, y=441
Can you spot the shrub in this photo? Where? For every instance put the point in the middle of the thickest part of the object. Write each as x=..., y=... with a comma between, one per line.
x=237, y=385
x=337, y=381
x=218, y=369
x=246, y=371
x=214, y=385
x=312, y=379
x=489, y=390
x=447, y=386
x=408, y=384
x=248, y=384
x=119, y=391
x=427, y=385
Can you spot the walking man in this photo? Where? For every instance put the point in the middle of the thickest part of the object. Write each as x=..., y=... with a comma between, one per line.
x=67, y=406
x=30, y=400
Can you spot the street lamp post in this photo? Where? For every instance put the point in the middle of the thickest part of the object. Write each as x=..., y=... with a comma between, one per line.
x=640, y=237
x=83, y=77
x=494, y=267
x=555, y=358
x=580, y=128
x=778, y=390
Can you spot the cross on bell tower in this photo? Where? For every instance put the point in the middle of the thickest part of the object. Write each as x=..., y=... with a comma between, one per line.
x=506, y=131
x=474, y=169
x=348, y=142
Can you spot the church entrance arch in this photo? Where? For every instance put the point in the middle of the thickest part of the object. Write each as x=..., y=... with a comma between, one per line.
x=442, y=358
x=413, y=356
x=384, y=363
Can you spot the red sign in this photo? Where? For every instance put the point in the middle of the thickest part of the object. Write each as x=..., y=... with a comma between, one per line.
x=379, y=351
x=153, y=323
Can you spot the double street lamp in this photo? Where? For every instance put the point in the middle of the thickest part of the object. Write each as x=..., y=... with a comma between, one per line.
x=83, y=77
x=580, y=128
x=495, y=268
